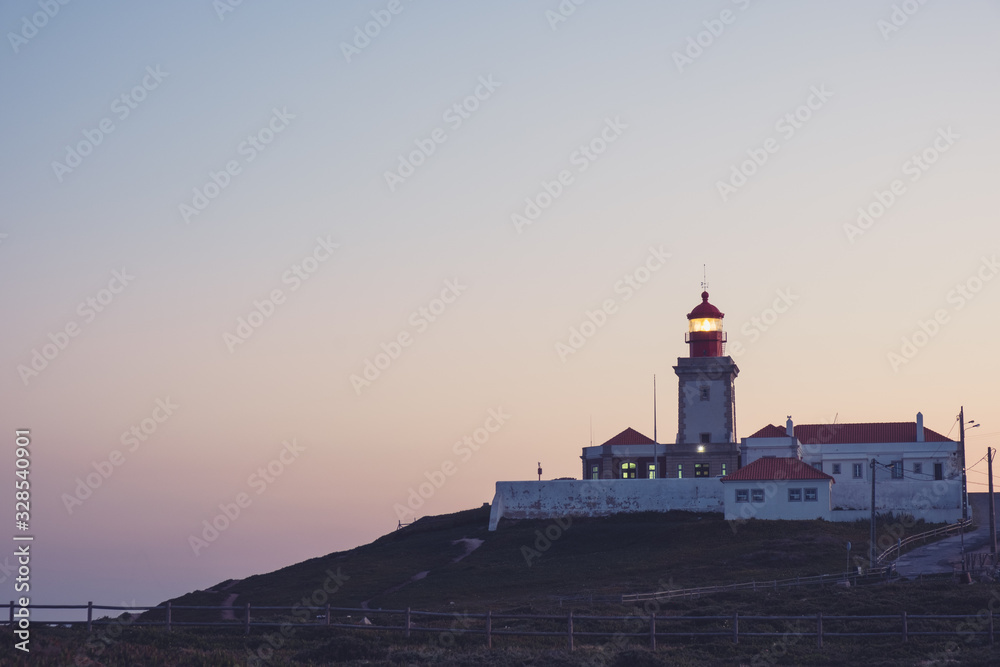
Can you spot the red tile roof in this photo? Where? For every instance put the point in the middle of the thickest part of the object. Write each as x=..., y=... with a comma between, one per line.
x=773, y=468
x=839, y=434
x=629, y=437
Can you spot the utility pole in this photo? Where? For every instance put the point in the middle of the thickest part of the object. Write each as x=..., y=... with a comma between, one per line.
x=990, y=453
x=871, y=535
x=961, y=438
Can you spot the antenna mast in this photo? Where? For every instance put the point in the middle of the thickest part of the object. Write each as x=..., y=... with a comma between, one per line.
x=704, y=277
x=654, y=410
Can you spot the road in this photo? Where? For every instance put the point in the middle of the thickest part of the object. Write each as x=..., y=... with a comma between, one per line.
x=946, y=555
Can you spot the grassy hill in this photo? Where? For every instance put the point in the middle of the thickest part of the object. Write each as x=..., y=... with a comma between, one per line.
x=550, y=567
x=522, y=565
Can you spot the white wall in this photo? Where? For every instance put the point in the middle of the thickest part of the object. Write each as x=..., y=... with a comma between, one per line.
x=756, y=448
x=604, y=497
x=934, y=501
x=899, y=495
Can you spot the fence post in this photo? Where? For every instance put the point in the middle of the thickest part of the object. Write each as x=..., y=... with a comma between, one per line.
x=246, y=621
x=489, y=629
x=652, y=631
x=736, y=627
x=407, y=621
x=328, y=613
x=906, y=631
x=169, y=616
x=570, y=629
x=819, y=630
x=90, y=616
x=11, y=613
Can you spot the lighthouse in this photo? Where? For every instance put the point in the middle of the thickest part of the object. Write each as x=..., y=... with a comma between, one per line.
x=706, y=414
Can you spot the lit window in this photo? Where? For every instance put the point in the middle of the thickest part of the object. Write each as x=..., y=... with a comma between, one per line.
x=628, y=471
x=810, y=495
x=794, y=495
x=757, y=495
x=680, y=470
x=918, y=468
x=701, y=470
x=704, y=393
x=652, y=471
x=742, y=495
x=836, y=468
x=723, y=469
x=857, y=471
x=595, y=472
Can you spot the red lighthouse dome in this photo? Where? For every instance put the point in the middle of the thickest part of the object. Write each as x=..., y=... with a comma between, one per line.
x=705, y=337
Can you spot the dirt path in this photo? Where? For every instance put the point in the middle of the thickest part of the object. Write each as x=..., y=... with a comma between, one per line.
x=470, y=544
x=229, y=614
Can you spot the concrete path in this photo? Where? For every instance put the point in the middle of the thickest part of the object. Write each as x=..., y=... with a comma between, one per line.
x=945, y=556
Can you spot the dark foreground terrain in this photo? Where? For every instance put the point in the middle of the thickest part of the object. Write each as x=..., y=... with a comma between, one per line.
x=549, y=568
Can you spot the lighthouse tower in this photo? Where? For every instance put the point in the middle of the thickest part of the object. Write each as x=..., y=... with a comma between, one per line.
x=706, y=418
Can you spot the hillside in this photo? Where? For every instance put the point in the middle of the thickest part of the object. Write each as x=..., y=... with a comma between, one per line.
x=422, y=565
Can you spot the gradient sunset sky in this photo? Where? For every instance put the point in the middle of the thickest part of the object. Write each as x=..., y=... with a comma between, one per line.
x=170, y=168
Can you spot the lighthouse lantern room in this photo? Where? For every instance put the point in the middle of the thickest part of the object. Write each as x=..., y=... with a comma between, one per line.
x=705, y=337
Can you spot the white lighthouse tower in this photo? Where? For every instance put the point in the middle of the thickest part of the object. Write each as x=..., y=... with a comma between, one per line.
x=706, y=414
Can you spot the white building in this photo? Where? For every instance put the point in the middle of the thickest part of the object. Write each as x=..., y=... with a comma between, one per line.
x=777, y=488
x=918, y=471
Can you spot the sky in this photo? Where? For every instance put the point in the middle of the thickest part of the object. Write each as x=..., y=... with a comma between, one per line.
x=269, y=268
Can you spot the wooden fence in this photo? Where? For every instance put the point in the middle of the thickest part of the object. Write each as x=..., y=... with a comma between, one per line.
x=819, y=579
x=646, y=628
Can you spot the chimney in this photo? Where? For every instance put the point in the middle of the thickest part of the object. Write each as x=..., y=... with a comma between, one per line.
x=920, y=427
x=789, y=427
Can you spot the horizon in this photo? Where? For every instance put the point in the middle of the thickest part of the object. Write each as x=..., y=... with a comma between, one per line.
x=287, y=264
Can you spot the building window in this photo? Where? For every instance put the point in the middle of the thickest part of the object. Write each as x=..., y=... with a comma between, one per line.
x=595, y=472
x=701, y=470
x=706, y=438
x=628, y=471
x=757, y=495
x=857, y=471
x=897, y=469
x=704, y=393
x=938, y=471
x=652, y=471
x=810, y=495
x=918, y=468
x=818, y=466
x=742, y=495
x=836, y=468
x=794, y=495
x=723, y=469
x=680, y=470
